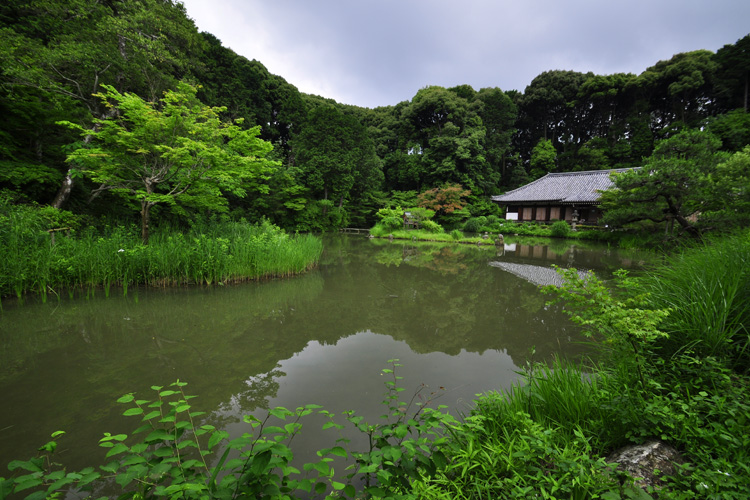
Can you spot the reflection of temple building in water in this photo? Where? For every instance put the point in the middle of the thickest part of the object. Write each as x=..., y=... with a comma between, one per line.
x=537, y=275
x=566, y=256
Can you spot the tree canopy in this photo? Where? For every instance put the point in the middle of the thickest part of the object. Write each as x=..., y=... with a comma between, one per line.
x=674, y=183
x=175, y=152
x=57, y=57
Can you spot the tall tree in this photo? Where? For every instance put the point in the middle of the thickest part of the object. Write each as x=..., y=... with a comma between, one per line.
x=672, y=185
x=550, y=109
x=249, y=91
x=543, y=159
x=65, y=49
x=445, y=135
x=177, y=153
x=498, y=114
x=730, y=193
x=680, y=89
x=334, y=155
x=733, y=74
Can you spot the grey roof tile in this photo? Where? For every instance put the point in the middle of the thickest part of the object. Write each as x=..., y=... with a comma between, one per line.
x=564, y=187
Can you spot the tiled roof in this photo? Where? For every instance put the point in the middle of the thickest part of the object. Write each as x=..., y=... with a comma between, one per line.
x=565, y=187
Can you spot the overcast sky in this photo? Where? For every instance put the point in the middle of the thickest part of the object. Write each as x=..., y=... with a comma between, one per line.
x=381, y=52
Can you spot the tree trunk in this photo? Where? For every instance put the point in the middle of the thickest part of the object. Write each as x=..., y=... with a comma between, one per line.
x=681, y=220
x=67, y=186
x=145, y=215
x=64, y=192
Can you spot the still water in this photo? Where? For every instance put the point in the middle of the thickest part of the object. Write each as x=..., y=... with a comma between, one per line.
x=461, y=319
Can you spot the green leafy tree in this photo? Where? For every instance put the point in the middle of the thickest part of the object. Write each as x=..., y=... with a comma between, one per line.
x=179, y=151
x=543, y=158
x=63, y=50
x=550, y=110
x=626, y=319
x=680, y=89
x=498, y=114
x=733, y=128
x=730, y=193
x=335, y=156
x=673, y=184
x=733, y=74
x=445, y=136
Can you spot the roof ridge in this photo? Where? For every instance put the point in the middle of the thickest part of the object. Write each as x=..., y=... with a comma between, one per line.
x=582, y=172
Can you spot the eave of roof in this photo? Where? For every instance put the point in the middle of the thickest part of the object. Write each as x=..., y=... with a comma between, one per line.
x=563, y=188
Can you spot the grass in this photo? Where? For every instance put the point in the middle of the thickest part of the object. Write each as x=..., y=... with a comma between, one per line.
x=423, y=235
x=205, y=254
x=708, y=290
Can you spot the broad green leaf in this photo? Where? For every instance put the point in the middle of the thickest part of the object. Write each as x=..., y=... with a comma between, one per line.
x=272, y=429
x=88, y=478
x=30, y=466
x=118, y=448
x=133, y=459
x=338, y=451
x=280, y=412
x=127, y=398
x=158, y=435
x=216, y=438
x=186, y=443
x=260, y=462
x=59, y=484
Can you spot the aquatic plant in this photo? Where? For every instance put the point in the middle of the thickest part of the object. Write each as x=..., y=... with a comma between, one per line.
x=210, y=253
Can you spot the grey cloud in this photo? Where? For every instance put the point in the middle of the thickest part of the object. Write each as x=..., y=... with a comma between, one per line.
x=372, y=53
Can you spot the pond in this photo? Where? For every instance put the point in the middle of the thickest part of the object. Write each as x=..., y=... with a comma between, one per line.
x=461, y=319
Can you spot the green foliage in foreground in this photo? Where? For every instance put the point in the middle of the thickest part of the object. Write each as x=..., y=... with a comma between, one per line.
x=211, y=253
x=171, y=456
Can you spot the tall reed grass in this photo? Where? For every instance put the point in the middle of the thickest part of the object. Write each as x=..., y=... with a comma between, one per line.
x=561, y=395
x=708, y=291
x=206, y=254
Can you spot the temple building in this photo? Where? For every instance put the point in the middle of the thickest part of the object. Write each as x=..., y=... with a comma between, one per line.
x=569, y=196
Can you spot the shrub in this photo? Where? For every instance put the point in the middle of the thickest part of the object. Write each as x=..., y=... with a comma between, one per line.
x=456, y=234
x=472, y=225
x=492, y=220
x=385, y=213
x=431, y=226
x=560, y=229
x=391, y=223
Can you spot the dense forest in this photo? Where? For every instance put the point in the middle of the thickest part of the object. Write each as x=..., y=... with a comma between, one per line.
x=63, y=64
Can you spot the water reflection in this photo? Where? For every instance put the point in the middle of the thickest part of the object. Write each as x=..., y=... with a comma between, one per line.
x=452, y=318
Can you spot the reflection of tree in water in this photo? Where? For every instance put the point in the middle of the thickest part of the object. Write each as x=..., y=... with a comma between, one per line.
x=258, y=391
x=468, y=308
